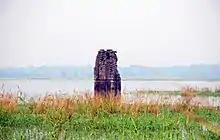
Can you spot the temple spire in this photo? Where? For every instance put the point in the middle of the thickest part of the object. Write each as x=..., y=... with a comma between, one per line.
x=106, y=75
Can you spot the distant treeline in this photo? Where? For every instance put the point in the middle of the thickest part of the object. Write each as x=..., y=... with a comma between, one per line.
x=193, y=72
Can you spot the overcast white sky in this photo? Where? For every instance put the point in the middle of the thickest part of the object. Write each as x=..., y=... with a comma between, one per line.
x=144, y=32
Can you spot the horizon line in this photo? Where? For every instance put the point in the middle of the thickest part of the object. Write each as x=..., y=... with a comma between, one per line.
x=86, y=65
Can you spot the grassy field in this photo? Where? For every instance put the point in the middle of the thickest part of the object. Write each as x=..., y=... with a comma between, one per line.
x=87, y=117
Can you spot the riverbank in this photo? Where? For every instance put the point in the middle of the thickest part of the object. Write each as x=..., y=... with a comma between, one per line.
x=208, y=93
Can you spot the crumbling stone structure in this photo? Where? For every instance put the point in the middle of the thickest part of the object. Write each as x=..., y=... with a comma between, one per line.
x=106, y=75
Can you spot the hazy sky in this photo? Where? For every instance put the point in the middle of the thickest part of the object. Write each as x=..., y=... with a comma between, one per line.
x=144, y=32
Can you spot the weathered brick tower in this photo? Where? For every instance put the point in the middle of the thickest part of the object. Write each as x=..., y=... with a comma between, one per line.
x=106, y=75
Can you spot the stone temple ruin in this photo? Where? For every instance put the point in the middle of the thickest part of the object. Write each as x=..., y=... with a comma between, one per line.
x=106, y=76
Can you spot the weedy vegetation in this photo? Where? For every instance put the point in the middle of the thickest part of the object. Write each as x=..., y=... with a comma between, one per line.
x=205, y=91
x=88, y=117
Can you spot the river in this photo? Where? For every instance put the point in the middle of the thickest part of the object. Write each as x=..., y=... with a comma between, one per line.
x=36, y=87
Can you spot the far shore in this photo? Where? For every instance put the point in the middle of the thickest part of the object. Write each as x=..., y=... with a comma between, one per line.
x=123, y=79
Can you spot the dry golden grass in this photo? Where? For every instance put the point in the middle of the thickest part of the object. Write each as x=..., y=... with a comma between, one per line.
x=52, y=102
x=8, y=102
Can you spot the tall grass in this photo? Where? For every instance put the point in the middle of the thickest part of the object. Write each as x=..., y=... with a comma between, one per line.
x=93, y=117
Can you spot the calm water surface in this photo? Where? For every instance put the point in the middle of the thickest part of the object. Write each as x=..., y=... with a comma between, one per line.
x=39, y=87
